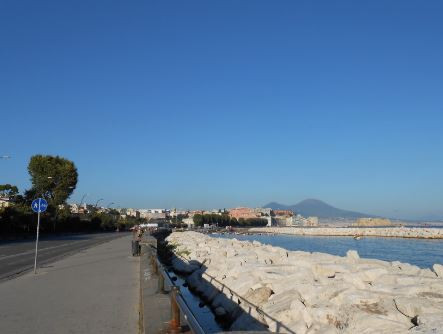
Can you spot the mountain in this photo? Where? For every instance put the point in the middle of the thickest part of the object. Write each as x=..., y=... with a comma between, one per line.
x=315, y=207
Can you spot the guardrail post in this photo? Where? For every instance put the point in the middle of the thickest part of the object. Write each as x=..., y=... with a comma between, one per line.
x=161, y=283
x=175, y=311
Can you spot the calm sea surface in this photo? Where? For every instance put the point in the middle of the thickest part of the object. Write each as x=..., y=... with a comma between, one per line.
x=423, y=253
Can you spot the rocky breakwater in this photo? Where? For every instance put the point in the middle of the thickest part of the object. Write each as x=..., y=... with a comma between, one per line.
x=371, y=222
x=301, y=292
x=392, y=232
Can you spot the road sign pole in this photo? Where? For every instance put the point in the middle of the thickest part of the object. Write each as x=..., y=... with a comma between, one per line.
x=36, y=240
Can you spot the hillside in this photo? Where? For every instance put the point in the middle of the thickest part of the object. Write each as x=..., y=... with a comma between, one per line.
x=314, y=207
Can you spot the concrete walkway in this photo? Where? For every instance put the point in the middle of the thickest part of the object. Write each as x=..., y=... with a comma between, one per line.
x=94, y=291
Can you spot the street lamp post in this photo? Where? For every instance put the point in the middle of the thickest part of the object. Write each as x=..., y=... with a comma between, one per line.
x=83, y=198
x=81, y=201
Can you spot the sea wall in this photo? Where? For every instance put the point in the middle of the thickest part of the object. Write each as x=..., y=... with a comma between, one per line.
x=393, y=232
x=301, y=292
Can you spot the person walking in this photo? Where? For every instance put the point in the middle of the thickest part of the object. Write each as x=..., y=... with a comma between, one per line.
x=137, y=238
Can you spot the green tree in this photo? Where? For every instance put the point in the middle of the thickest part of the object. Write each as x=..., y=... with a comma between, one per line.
x=198, y=220
x=53, y=177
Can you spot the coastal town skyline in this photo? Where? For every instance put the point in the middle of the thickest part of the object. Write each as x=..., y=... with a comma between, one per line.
x=307, y=207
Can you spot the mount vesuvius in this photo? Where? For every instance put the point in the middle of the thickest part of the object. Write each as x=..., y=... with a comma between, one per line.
x=315, y=207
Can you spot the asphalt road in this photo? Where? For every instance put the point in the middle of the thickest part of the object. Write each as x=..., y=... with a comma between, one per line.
x=18, y=257
x=96, y=290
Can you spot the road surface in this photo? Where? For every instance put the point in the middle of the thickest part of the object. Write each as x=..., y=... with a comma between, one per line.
x=94, y=291
x=17, y=257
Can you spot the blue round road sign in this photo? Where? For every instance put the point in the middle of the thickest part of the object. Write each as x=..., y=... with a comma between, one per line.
x=39, y=205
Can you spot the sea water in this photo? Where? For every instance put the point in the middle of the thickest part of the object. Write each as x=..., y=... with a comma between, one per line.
x=420, y=252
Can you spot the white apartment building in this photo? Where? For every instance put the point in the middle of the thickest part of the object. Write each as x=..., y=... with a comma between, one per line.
x=4, y=202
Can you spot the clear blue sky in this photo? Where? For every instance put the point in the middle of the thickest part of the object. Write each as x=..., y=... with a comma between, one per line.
x=227, y=103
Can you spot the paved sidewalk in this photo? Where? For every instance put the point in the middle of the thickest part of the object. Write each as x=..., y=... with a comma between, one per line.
x=94, y=291
x=156, y=305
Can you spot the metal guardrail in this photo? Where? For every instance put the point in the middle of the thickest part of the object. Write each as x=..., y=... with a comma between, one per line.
x=222, y=287
x=177, y=299
x=279, y=325
x=178, y=303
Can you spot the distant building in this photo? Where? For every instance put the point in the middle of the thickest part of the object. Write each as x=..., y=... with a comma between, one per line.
x=143, y=213
x=156, y=210
x=213, y=212
x=157, y=223
x=195, y=212
x=288, y=213
x=264, y=211
x=175, y=213
x=252, y=213
x=299, y=220
x=132, y=213
x=282, y=221
x=189, y=222
x=74, y=208
x=102, y=209
x=245, y=213
x=282, y=218
x=5, y=202
x=81, y=209
x=155, y=215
